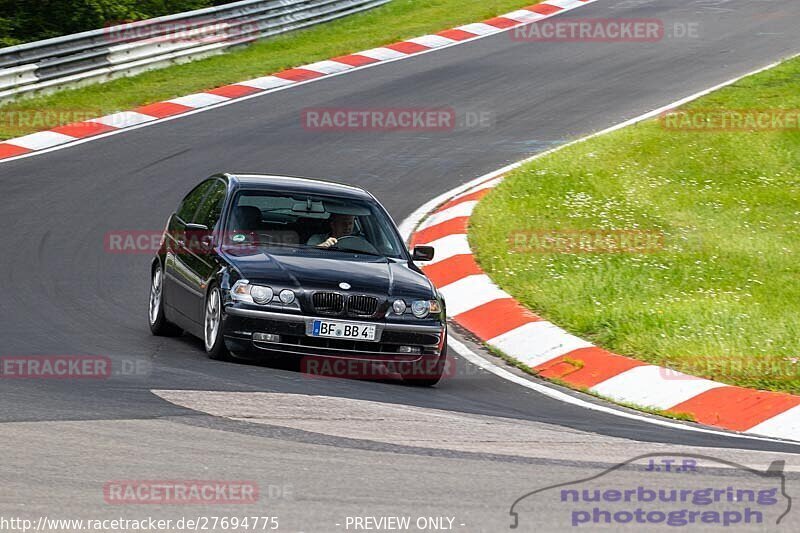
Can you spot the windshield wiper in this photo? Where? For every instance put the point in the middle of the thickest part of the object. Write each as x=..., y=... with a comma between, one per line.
x=346, y=251
x=264, y=245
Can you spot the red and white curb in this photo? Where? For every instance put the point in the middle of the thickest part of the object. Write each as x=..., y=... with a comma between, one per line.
x=492, y=315
x=82, y=131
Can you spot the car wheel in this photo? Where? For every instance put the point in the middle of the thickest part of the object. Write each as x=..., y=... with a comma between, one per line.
x=212, y=326
x=426, y=375
x=159, y=325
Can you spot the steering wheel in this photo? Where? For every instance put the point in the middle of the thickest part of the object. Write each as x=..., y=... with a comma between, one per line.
x=353, y=243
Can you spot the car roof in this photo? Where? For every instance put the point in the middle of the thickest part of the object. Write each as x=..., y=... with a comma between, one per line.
x=297, y=184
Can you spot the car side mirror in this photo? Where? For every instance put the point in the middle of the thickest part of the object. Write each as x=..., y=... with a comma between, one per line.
x=198, y=236
x=423, y=253
x=196, y=227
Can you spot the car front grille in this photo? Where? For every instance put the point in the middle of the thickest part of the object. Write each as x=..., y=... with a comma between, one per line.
x=335, y=304
x=358, y=305
x=328, y=303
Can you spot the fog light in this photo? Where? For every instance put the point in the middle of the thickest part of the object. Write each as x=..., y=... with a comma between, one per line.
x=266, y=337
x=410, y=349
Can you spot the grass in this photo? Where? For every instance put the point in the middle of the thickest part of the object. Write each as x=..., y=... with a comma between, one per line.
x=720, y=296
x=398, y=20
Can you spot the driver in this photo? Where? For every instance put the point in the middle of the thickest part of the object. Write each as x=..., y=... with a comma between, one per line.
x=341, y=226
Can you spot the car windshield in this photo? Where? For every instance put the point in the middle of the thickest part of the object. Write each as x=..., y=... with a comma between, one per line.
x=259, y=218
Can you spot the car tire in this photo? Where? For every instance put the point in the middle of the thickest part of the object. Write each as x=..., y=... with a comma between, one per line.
x=431, y=376
x=159, y=325
x=213, y=339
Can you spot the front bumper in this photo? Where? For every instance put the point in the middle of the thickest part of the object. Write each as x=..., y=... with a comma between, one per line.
x=241, y=323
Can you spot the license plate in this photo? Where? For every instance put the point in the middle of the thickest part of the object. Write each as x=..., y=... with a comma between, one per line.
x=343, y=330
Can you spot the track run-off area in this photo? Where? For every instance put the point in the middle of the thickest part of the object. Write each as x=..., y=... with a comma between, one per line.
x=321, y=450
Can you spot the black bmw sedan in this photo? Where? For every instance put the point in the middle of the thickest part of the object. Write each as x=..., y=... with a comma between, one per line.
x=255, y=264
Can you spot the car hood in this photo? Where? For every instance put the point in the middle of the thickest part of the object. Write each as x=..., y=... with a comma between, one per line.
x=314, y=271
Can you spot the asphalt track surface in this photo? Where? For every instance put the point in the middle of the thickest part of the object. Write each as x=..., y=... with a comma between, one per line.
x=63, y=293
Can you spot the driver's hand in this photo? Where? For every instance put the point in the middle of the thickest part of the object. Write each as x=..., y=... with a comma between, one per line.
x=328, y=243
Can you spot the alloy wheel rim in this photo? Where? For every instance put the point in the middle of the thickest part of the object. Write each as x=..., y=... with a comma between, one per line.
x=155, y=295
x=212, y=319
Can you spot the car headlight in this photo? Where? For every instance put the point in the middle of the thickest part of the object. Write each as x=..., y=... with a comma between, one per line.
x=399, y=307
x=242, y=291
x=422, y=308
x=287, y=296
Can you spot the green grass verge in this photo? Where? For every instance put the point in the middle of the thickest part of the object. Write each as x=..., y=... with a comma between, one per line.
x=398, y=20
x=721, y=297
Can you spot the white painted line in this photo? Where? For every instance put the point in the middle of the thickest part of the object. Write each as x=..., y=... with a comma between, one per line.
x=479, y=28
x=199, y=100
x=535, y=343
x=523, y=15
x=464, y=209
x=785, y=425
x=412, y=222
x=123, y=119
x=382, y=54
x=431, y=41
x=470, y=292
x=448, y=246
x=653, y=386
x=551, y=392
x=565, y=4
x=40, y=140
x=491, y=184
x=266, y=82
x=327, y=67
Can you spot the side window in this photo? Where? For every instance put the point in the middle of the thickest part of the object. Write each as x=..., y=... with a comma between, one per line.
x=192, y=201
x=211, y=208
